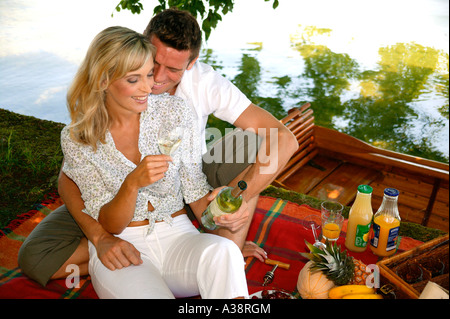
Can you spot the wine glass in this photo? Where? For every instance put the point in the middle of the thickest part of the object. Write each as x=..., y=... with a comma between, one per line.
x=170, y=135
x=169, y=138
x=313, y=222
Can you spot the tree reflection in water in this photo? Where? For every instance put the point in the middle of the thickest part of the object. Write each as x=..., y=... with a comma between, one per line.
x=382, y=113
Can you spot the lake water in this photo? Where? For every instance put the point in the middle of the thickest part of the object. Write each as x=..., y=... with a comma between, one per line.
x=377, y=70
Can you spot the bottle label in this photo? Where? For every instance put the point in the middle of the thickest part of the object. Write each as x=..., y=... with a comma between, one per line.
x=392, y=239
x=376, y=235
x=362, y=235
x=214, y=209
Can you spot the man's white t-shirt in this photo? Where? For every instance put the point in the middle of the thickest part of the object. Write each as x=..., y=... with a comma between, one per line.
x=207, y=92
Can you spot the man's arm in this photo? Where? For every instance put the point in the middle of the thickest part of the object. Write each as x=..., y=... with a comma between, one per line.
x=277, y=146
x=112, y=251
x=275, y=151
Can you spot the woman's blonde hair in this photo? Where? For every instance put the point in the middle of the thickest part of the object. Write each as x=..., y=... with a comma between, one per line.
x=112, y=54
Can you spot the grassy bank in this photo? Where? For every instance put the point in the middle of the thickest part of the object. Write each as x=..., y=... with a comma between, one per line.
x=30, y=160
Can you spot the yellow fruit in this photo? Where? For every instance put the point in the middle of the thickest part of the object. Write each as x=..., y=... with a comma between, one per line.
x=340, y=291
x=363, y=296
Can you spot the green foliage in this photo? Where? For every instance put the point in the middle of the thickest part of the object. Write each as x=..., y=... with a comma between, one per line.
x=135, y=6
x=209, y=11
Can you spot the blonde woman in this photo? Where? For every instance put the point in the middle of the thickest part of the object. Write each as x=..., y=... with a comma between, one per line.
x=111, y=153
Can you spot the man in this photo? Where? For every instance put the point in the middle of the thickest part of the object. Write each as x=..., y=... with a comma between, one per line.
x=59, y=241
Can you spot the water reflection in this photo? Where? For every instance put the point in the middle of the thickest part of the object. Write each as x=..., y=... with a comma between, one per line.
x=378, y=105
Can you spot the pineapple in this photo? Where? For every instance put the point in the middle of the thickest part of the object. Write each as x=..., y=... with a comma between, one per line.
x=360, y=274
x=337, y=266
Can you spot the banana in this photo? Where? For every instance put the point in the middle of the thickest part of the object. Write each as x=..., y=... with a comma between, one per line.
x=362, y=296
x=340, y=291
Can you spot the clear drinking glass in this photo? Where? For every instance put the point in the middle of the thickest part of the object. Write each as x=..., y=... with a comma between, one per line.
x=169, y=138
x=170, y=135
x=332, y=220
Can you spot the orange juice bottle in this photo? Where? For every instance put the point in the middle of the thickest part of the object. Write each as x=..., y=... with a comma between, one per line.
x=386, y=225
x=359, y=220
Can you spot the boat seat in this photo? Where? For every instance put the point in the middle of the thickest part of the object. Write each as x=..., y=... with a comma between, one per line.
x=330, y=165
x=312, y=171
x=301, y=123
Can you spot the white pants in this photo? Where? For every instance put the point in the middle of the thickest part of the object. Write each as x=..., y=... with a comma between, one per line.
x=178, y=261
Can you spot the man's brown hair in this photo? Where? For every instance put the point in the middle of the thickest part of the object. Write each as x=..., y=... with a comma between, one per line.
x=177, y=29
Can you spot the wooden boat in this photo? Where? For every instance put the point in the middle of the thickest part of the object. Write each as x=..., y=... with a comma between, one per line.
x=331, y=165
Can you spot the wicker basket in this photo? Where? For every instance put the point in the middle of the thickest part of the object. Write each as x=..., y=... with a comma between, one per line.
x=427, y=262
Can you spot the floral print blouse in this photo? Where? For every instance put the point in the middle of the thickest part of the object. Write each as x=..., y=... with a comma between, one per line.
x=99, y=174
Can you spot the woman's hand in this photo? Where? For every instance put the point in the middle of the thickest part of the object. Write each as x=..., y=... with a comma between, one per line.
x=115, y=215
x=149, y=170
x=253, y=250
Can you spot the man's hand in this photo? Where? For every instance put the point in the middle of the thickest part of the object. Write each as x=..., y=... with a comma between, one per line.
x=116, y=253
x=233, y=221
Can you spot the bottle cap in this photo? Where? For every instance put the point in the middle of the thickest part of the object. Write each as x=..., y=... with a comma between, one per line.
x=242, y=185
x=391, y=192
x=365, y=189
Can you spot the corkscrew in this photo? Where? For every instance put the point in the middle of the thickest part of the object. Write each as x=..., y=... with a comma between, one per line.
x=268, y=277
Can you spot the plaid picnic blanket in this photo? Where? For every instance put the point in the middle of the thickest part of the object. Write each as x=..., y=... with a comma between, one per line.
x=13, y=283
x=277, y=226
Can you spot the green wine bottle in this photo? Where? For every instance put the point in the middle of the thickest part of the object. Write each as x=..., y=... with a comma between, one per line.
x=227, y=201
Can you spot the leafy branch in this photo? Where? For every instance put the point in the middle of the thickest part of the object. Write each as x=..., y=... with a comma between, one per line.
x=209, y=11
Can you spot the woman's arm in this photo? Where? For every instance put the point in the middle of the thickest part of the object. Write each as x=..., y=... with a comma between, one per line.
x=114, y=209
x=115, y=215
x=81, y=167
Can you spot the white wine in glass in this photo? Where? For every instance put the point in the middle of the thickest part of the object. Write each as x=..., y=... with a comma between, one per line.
x=170, y=135
x=169, y=139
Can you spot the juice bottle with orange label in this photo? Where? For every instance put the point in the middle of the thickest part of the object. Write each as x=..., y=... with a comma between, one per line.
x=359, y=220
x=386, y=225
